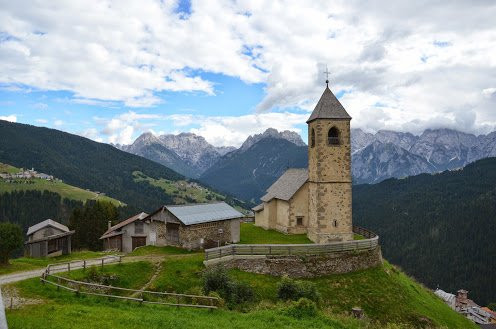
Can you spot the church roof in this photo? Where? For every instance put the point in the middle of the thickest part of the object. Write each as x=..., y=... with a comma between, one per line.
x=287, y=185
x=328, y=107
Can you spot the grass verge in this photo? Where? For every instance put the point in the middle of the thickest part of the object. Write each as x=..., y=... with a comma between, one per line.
x=251, y=234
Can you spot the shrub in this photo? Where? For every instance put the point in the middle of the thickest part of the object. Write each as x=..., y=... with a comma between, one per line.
x=289, y=289
x=215, y=279
x=304, y=307
x=233, y=292
x=238, y=293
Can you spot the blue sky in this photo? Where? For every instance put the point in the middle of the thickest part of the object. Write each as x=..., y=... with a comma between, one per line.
x=111, y=70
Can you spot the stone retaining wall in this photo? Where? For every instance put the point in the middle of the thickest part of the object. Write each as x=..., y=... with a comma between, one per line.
x=308, y=266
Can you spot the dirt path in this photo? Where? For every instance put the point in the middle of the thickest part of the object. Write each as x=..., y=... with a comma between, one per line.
x=158, y=268
x=19, y=276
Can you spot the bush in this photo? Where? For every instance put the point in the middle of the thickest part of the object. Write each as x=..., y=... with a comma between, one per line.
x=215, y=279
x=233, y=292
x=304, y=307
x=289, y=289
x=238, y=293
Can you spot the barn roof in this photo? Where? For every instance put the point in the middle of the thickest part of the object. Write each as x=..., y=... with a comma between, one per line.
x=328, y=107
x=287, y=185
x=204, y=213
x=117, y=226
x=45, y=223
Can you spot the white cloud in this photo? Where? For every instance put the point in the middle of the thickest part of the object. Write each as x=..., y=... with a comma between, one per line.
x=121, y=129
x=11, y=118
x=233, y=131
x=42, y=121
x=406, y=65
x=58, y=123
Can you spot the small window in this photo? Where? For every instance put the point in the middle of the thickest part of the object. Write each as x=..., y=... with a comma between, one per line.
x=312, y=137
x=333, y=136
x=138, y=228
x=299, y=221
x=335, y=223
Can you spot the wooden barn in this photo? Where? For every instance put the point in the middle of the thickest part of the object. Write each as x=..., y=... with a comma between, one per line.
x=48, y=239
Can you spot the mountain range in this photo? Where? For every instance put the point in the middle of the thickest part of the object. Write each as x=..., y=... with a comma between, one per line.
x=386, y=154
x=191, y=155
x=375, y=157
x=140, y=183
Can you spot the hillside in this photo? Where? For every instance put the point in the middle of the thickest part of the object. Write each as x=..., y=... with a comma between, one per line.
x=38, y=184
x=439, y=228
x=247, y=174
x=389, y=298
x=84, y=163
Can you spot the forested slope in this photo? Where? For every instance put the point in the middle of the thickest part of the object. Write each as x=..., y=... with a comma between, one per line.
x=440, y=228
x=84, y=163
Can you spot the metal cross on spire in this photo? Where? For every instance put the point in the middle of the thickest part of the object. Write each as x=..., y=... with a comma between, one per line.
x=326, y=72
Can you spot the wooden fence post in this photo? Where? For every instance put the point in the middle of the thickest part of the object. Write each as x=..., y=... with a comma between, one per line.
x=84, y=264
x=102, y=262
x=69, y=267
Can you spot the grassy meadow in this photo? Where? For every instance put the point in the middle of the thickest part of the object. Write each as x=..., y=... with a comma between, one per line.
x=182, y=191
x=389, y=298
x=251, y=234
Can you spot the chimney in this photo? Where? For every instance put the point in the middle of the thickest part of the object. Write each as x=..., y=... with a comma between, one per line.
x=462, y=295
x=109, y=224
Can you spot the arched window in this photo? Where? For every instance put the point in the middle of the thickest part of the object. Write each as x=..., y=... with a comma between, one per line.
x=333, y=136
x=312, y=137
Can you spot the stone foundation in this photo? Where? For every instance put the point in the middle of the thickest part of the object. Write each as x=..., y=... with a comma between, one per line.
x=308, y=266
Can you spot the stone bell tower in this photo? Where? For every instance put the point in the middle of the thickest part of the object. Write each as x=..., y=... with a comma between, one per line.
x=329, y=171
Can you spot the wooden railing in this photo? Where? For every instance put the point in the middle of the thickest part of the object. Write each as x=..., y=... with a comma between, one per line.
x=370, y=242
x=78, y=264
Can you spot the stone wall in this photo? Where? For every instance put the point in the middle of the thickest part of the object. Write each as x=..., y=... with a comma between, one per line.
x=191, y=237
x=308, y=266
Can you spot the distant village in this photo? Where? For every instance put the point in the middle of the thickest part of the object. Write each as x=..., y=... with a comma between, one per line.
x=467, y=307
x=26, y=174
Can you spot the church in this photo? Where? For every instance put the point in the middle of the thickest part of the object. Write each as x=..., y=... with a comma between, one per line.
x=317, y=200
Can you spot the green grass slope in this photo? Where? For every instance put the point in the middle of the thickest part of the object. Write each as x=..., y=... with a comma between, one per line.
x=389, y=298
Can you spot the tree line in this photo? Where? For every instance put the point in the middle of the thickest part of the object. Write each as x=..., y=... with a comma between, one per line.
x=440, y=228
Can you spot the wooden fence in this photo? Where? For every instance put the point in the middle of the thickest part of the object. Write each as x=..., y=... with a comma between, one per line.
x=370, y=241
x=140, y=296
x=78, y=264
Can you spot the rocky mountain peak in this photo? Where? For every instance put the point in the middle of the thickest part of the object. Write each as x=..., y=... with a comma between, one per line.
x=288, y=135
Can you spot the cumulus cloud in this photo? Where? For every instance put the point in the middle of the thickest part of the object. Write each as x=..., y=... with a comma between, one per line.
x=121, y=129
x=233, y=131
x=11, y=118
x=403, y=65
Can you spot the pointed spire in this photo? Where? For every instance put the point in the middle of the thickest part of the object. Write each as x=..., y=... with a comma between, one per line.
x=328, y=107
